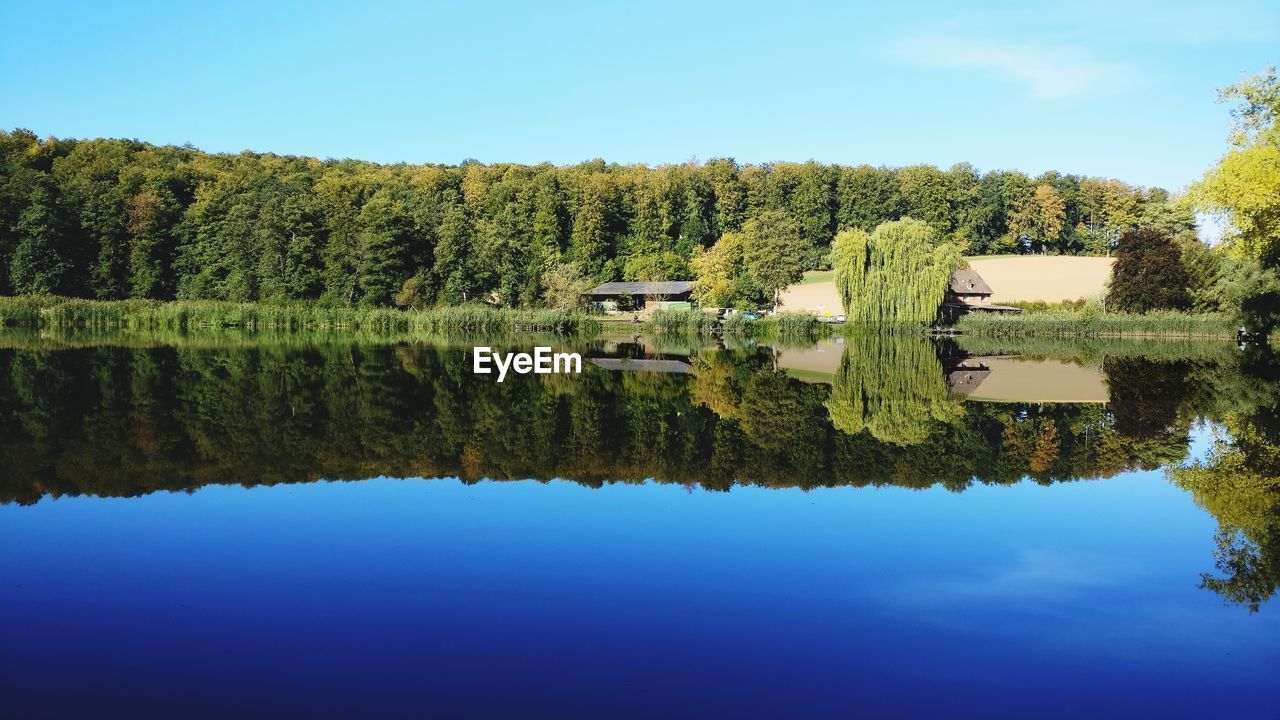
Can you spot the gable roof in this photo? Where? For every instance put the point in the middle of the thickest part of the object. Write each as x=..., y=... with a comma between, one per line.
x=664, y=287
x=967, y=282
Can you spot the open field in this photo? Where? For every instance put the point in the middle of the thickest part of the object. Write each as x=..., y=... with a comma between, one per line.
x=1013, y=278
x=818, y=298
x=818, y=276
x=1048, y=278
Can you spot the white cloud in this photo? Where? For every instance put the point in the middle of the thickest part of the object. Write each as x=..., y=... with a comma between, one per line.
x=1032, y=577
x=1048, y=72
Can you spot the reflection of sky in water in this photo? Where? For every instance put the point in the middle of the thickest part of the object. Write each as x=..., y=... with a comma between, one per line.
x=421, y=597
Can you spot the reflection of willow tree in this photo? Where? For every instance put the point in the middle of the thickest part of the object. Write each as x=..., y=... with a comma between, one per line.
x=893, y=387
x=1239, y=483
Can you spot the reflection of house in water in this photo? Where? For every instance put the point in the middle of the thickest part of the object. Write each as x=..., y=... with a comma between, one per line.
x=638, y=357
x=966, y=375
x=642, y=365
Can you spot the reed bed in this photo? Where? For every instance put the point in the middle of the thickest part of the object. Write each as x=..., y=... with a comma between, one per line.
x=58, y=312
x=1070, y=323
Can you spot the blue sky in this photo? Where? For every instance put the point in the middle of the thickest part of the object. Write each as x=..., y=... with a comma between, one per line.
x=1098, y=88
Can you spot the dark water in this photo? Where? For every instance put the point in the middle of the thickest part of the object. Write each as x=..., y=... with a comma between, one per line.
x=882, y=528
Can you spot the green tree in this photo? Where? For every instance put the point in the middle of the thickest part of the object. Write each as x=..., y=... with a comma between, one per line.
x=384, y=249
x=563, y=285
x=1245, y=185
x=773, y=252
x=41, y=262
x=1041, y=217
x=720, y=272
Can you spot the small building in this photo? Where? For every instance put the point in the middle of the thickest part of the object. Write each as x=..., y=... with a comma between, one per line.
x=967, y=293
x=665, y=294
x=969, y=288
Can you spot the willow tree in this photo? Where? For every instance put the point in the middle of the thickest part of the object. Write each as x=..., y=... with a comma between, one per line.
x=892, y=386
x=895, y=275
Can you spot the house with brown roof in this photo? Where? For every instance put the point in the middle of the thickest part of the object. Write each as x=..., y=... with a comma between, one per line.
x=968, y=292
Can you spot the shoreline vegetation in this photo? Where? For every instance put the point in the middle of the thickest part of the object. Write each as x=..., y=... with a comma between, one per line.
x=1091, y=323
x=49, y=311
x=54, y=312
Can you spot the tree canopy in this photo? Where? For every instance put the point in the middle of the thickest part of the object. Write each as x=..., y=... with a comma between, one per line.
x=1245, y=186
x=113, y=219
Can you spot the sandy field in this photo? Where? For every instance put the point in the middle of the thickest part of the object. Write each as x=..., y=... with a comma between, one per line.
x=819, y=298
x=1044, y=277
x=1022, y=278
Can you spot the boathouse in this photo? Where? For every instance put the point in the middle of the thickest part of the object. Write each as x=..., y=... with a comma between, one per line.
x=968, y=292
x=665, y=294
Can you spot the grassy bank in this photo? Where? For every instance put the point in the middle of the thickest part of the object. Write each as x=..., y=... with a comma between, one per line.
x=43, y=311
x=1084, y=323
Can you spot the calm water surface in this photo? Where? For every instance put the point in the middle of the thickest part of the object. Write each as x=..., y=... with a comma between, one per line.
x=856, y=529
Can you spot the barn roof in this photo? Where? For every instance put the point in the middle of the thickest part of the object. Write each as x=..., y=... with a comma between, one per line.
x=967, y=282
x=665, y=287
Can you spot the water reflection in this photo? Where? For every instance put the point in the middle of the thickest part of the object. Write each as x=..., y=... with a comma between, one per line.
x=115, y=420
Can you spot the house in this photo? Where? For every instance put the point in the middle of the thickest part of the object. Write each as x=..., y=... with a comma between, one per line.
x=968, y=292
x=969, y=288
x=612, y=296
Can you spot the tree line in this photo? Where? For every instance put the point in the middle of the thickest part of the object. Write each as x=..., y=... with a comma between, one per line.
x=114, y=219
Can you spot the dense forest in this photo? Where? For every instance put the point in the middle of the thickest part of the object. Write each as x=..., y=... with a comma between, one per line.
x=113, y=219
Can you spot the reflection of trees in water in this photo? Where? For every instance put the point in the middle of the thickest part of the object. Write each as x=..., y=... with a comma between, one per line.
x=119, y=421
x=893, y=387
x=1239, y=483
x=1146, y=394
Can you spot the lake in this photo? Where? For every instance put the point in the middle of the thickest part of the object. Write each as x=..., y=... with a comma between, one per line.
x=872, y=526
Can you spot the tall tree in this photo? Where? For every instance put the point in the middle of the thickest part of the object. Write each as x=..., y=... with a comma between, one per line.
x=1041, y=217
x=774, y=252
x=1245, y=184
x=41, y=261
